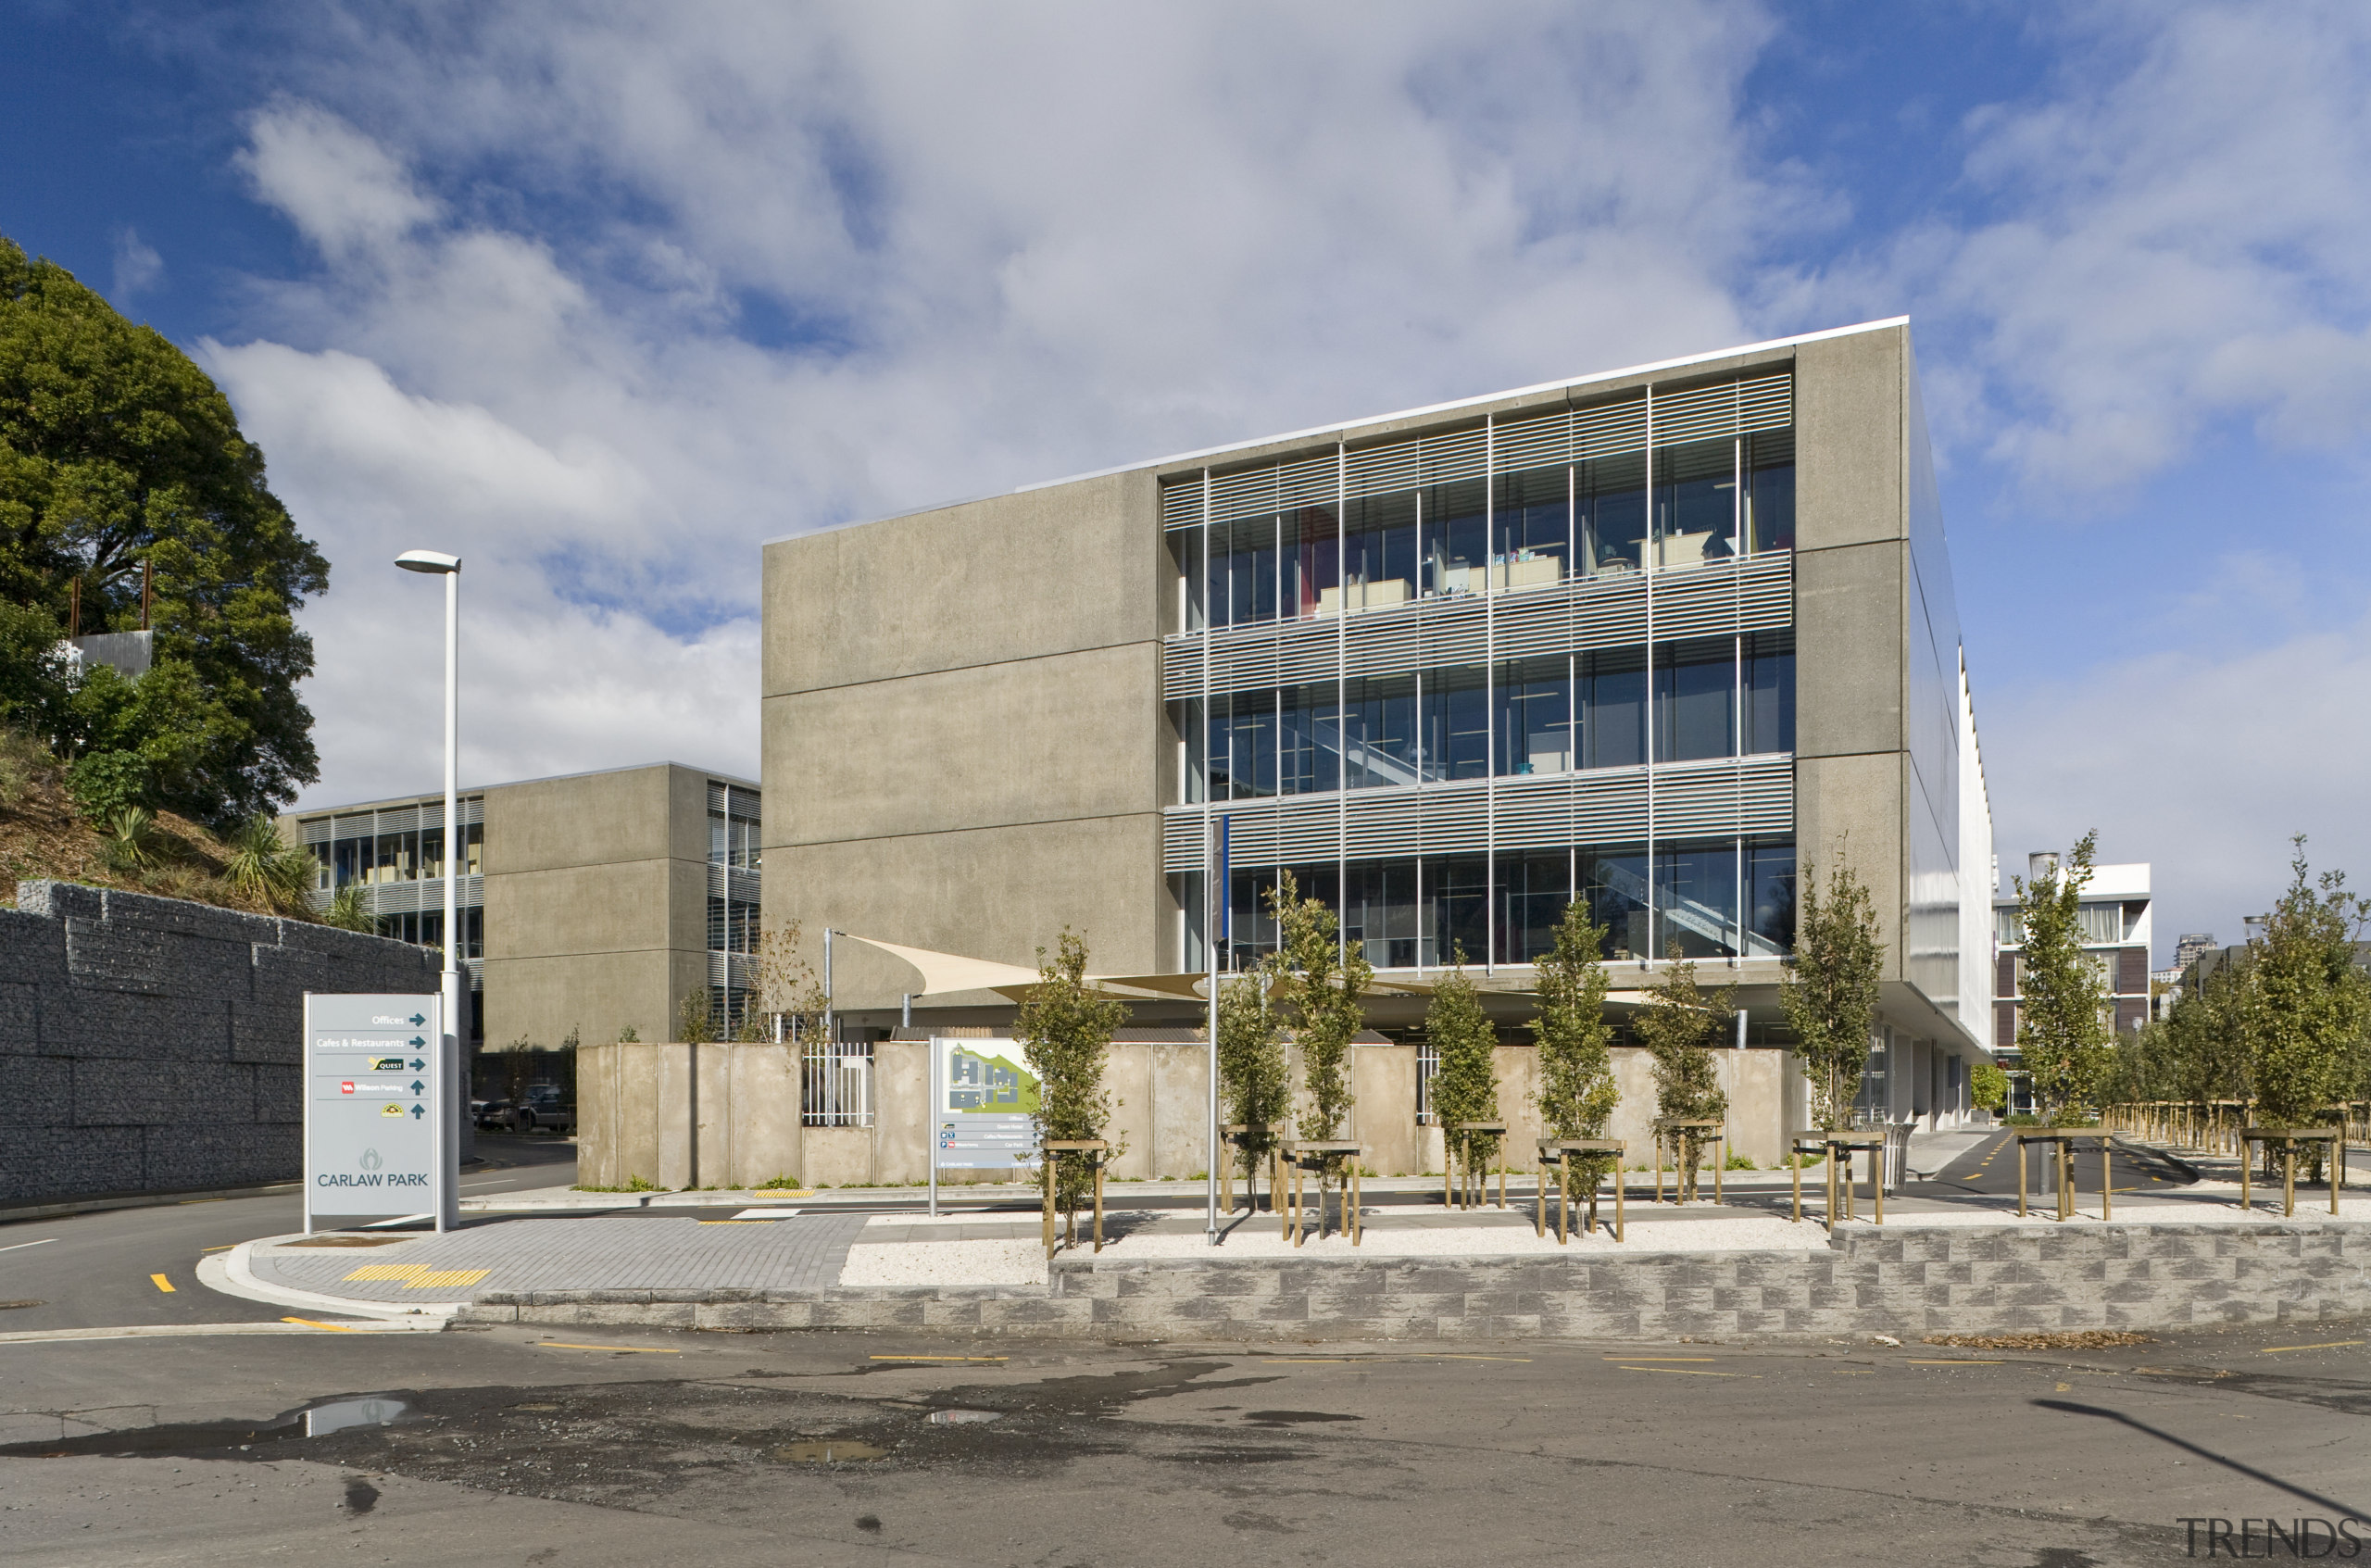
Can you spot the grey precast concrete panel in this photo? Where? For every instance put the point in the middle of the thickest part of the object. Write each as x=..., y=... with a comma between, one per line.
x=378, y=1138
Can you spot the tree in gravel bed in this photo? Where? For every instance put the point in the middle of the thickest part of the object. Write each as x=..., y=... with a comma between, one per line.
x=1254, y=1079
x=1467, y=1088
x=1064, y=1029
x=2061, y=1035
x=1830, y=989
x=2311, y=1001
x=1322, y=988
x=1678, y=1026
x=1577, y=1093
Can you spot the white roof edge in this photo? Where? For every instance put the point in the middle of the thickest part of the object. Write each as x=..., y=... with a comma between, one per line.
x=1313, y=430
x=436, y=796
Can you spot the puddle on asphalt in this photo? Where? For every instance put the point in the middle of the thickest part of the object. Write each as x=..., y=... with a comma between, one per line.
x=962, y=1418
x=339, y=1414
x=1293, y=1418
x=829, y=1451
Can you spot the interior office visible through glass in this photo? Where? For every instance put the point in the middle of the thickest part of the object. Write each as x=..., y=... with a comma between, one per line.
x=1714, y=698
x=1714, y=500
x=426, y=929
x=409, y=855
x=1709, y=899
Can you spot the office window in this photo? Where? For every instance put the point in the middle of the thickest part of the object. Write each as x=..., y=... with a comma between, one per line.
x=1770, y=899
x=1769, y=489
x=731, y=925
x=1310, y=543
x=1457, y=723
x=1242, y=745
x=1456, y=539
x=1613, y=880
x=395, y=860
x=1194, y=596
x=1379, y=731
x=1533, y=890
x=1611, y=692
x=2009, y=927
x=1609, y=511
x=1456, y=913
x=1186, y=718
x=1309, y=756
x=1694, y=699
x=1379, y=551
x=1696, y=900
x=1769, y=692
x=1535, y=716
x=1695, y=504
x=1531, y=519
x=1250, y=931
x=1379, y=911
x=1243, y=571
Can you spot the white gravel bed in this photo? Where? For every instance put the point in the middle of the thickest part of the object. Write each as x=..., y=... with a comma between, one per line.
x=945, y=1263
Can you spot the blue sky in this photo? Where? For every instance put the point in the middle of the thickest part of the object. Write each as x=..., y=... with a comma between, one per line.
x=600, y=296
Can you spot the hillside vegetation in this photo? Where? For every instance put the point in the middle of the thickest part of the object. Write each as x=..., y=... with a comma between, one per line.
x=44, y=835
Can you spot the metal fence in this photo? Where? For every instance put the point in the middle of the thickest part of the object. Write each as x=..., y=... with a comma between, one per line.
x=835, y=1084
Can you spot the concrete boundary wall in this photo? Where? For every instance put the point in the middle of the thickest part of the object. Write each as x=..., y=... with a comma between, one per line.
x=728, y=1114
x=1904, y=1280
x=154, y=1045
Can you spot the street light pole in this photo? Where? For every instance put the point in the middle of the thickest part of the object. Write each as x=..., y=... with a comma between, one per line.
x=450, y=568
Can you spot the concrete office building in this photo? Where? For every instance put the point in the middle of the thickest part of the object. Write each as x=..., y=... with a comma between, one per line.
x=590, y=904
x=2117, y=933
x=1662, y=637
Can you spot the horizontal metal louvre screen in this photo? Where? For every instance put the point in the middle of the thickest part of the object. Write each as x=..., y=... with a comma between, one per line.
x=1376, y=825
x=716, y=799
x=1695, y=604
x=1181, y=841
x=1459, y=455
x=1534, y=623
x=1306, y=652
x=1181, y=505
x=1766, y=593
x=317, y=831
x=1274, y=487
x=1309, y=830
x=1181, y=670
x=1608, y=612
x=1454, y=820
x=1381, y=644
x=1532, y=814
x=1537, y=440
x=1730, y=409
x=1692, y=801
x=1610, y=807
x=1610, y=428
x=1455, y=631
x=1378, y=469
x=1315, y=482
x=1767, y=796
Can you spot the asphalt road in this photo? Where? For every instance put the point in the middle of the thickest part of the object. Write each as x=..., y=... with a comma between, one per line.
x=123, y=1266
x=588, y=1447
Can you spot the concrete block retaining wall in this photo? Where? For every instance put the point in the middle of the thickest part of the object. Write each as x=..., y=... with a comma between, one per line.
x=1905, y=1281
x=154, y=1045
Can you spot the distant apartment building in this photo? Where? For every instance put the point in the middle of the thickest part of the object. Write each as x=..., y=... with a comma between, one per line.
x=2116, y=913
x=590, y=904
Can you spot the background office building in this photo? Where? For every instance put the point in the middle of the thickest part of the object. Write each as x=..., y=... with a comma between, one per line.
x=590, y=904
x=1660, y=639
x=2116, y=936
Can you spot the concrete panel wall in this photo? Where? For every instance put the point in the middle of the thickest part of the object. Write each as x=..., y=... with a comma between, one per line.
x=1850, y=809
x=996, y=892
x=1059, y=570
x=597, y=995
x=150, y=1045
x=1851, y=395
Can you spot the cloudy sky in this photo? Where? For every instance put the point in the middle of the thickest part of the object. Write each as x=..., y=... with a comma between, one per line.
x=600, y=296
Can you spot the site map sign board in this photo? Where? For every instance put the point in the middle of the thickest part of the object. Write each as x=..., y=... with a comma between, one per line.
x=378, y=1138
x=984, y=1107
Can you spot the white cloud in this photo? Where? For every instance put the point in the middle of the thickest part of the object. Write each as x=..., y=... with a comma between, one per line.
x=618, y=296
x=138, y=267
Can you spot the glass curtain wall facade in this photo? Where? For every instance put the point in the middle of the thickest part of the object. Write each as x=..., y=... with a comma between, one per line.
x=1451, y=684
x=734, y=897
x=395, y=853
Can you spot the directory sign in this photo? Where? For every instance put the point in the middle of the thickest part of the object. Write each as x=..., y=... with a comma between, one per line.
x=983, y=1105
x=379, y=1134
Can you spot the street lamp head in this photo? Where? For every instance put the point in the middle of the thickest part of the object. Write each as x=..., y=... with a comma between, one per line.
x=428, y=560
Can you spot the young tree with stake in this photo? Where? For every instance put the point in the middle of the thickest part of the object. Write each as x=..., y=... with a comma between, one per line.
x=1678, y=1026
x=1466, y=1088
x=1576, y=1094
x=2061, y=1035
x=1830, y=989
x=1064, y=1029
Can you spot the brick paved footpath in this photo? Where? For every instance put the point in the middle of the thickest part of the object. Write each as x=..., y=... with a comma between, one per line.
x=598, y=1252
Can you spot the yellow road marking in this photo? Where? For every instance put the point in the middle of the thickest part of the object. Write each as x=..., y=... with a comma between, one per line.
x=2267, y=1350
x=224, y=1248
x=637, y=1349
x=1851, y=1371
x=936, y=1358
x=417, y=1276
x=163, y=1283
x=1685, y=1372
x=315, y=1323
x=1460, y=1357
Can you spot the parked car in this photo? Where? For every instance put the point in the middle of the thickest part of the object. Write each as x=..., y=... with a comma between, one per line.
x=541, y=1110
x=490, y=1113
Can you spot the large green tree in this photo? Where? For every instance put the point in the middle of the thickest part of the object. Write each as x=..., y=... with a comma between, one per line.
x=119, y=458
x=2312, y=1003
x=2063, y=1035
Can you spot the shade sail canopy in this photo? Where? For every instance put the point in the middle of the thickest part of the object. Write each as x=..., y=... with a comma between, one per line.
x=951, y=971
